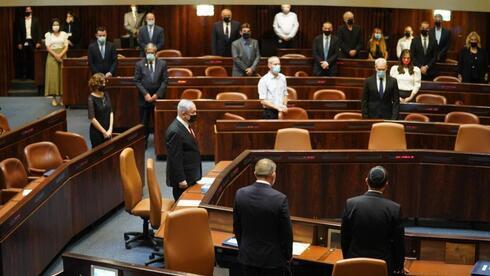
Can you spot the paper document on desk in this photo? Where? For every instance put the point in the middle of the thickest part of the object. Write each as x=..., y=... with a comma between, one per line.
x=231, y=242
x=206, y=181
x=25, y=192
x=299, y=248
x=188, y=203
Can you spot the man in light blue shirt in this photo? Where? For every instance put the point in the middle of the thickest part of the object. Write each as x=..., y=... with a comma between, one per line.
x=273, y=92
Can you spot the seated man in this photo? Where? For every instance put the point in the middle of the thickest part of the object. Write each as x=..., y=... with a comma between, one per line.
x=325, y=52
x=245, y=52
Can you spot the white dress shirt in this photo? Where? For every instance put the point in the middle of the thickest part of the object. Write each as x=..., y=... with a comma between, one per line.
x=286, y=25
x=438, y=34
x=186, y=124
x=273, y=88
x=384, y=84
x=229, y=28
x=326, y=43
x=406, y=81
x=28, y=27
x=403, y=43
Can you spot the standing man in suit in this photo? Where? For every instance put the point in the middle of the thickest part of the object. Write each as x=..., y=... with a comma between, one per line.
x=71, y=26
x=424, y=51
x=380, y=98
x=133, y=21
x=286, y=27
x=224, y=33
x=150, y=33
x=325, y=52
x=350, y=36
x=372, y=225
x=262, y=225
x=102, y=55
x=151, y=79
x=443, y=38
x=28, y=38
x=245, y=52
x=183, y=156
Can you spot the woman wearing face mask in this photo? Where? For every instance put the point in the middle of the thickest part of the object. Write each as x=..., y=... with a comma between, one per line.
x=405, y=41
x=407, y=76
x=57, y=45
x=100, y=112
x=473, y=61
x=377, y=45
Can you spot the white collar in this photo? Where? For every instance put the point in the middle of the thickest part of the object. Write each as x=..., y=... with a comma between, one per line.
x=186, y=124
x=375, y=191
x=263, y=182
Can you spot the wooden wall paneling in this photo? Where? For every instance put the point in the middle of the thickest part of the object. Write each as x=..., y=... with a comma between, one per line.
x=7, y=69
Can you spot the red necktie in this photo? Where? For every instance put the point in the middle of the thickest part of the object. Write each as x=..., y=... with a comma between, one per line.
x=192, y=132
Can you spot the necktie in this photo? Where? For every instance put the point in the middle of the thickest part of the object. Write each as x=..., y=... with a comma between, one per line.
x=102, y=51
x=327, y=46
x=152, y=71
x=192, y=132
x=150, y=32
x=381, y=88
x=227, y=30
x=425, y=45
x=69, y=28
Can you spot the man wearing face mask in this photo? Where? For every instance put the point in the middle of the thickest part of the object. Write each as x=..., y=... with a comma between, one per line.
x=245, y=52
x=273, y=92
x=350, y=36
x=380, y=97
x=286, y=26
x=405, y=41
x=424, y=52
x=442, y=37
x=224, y=33
x=71, y=26
x=133, y=20
x=150, y=33
x=151, y=80
x=27, y=38
x=102, y=55
x=183, y=157
x=325, y=52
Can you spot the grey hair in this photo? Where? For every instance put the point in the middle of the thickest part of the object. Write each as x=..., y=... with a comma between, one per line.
x=264, y=167
x=269, y=60
x=184, y=105
x=379, y=62
x=150, y=46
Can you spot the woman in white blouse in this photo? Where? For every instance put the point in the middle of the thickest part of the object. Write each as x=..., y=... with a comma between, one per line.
x=408, y=77
x=57, y=45
x=405, y=41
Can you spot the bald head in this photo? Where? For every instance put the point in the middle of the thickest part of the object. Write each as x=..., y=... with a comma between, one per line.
x=348, y=15
x=226, y=13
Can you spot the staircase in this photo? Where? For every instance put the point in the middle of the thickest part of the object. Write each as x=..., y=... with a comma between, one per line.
x=23, y=88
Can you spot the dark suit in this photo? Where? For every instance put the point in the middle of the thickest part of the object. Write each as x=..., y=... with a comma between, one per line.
x=420, y=59
x=319, y=55
x=103, y=65
x=372, y=227
x=74, y=29
x=444, y=43
x=144, y=37
x=375, y=107
x=26, y=55
x=262, y=226
x=220, y=43
x=350, y=40
x=473, y=67
x=242, y=60
x=183, y=157
x=152, y=83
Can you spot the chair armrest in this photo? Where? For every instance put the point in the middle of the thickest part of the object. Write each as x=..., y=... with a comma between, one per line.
x=36, y=172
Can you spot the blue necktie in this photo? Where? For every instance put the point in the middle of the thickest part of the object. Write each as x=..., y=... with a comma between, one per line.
x=102, y=50
x=327, y=46
x=381, y=89
x=152, y=71
x=150, y=32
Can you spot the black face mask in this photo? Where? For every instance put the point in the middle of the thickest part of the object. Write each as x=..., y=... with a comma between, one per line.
x=192, y=118
x=438, y=24
x=327, y=33
x=350, y=21
x=407, y=34
x=227, y=19
x=474, y=44
x=101, y=87
x=27, y=14
x=424, y=32
x=246, y=35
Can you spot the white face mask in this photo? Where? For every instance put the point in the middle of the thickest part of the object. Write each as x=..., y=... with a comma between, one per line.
x=134, y=9
x=56, y=28
x=150, y=22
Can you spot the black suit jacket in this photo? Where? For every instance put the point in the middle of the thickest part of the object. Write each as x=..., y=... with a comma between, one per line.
x=350, y=40
x=262, y=226
x=444, y=43
x=183, y=156
x=375, y=107
x=419, y=58
x=144, y=37
x=372, y=227
x=466, y=62
x=319, y=56
x=144, y=82
x=75, y=32
x=20, y=37
x=98, y=64
x=220, y=43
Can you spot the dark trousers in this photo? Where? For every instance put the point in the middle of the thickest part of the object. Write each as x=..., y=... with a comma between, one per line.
x=270, y=113
x=283, y=44
x=259, y=271
x=146, y=112
x=26, y=55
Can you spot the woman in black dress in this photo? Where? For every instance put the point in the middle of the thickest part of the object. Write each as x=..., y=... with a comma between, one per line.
x=99, y=111
x=473, y=61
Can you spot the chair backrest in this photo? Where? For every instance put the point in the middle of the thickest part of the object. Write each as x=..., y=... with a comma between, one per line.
x=169, y=53
x=348, y=116
x=292, y=139
x=473, y=138
x=294, y=113
x=70, y=144
x=231, y=96
x=328, y=94
x=446, y=79
x=458, y=117
x=42, y=156
x=417, y=117
x=301, y=74
x=360, y=266
x=191, y=94
x=179, y=72
x=155, y=194
x=292, y=94
x=387, y=136
x=209, y=57
x=131, y=179
x=430, y=99
x=216, y=71
x=188, y=246
x=12, y=174
x=231, y=116
x=293, y=56
x=4, y=124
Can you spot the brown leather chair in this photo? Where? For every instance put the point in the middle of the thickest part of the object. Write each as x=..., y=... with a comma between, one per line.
x=360, y=266
x=42, y=157
x=292, y=139
x=294, y=113
x=231, y=96
x=179, y=72
x=458, y=117
x=292, y=94
x=188, y=244
x=446, y=79
x=169, y=53
x=70, y=144
x=13, y=175
x=119, y=56
x=210, y=57
x=191, y=94
x=301, y=74
x=231, y=116
x=473, y=138
x=134, y=204
x=328, y=94
x=216, y=71
x=348, y=116
x=416, y=117
x=4, y=124
x=430, y=99
x=293, y=56
x=387, y=136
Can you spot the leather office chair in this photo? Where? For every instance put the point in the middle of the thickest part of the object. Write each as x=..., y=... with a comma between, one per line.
x=294, y=113
x=191, y=94
x=179, y=72
x=360, y=266
x=301, y=74
x=231, y=116
x=134, y=204
x=293, y=56
x=231, y=96
x=457, y=117
x=292, y=94
x=416, y=117
x=169, y=53
x=70, y=144
x=188, y=245
x=210, y=57
x=329, y=94
x=387, y=136
x=13, y=175
x=292, y=139
x=348, y=116
x=42, y=157
x=4, y=124
x=473, y=138
x=216, y=71
x=446, y=79
x=430, y=99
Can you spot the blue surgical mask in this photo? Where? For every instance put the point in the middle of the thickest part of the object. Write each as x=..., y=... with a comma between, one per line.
x=150, y=57
x=381, y=74
x=377, y=36
x=276, y=69
x=101, y=39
